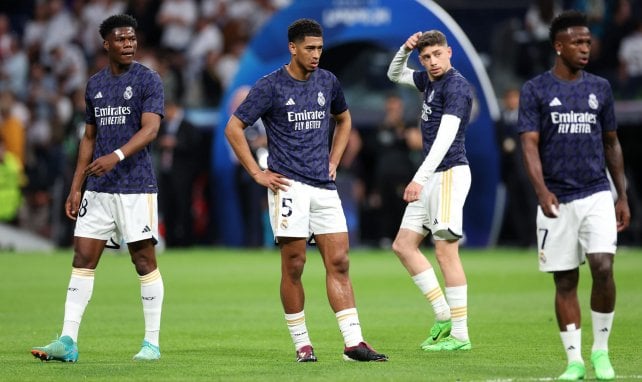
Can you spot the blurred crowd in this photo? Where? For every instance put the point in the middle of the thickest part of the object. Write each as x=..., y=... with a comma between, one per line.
x=48, y=49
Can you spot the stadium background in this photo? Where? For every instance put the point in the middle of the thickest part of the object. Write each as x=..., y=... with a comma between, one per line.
x=492, y=46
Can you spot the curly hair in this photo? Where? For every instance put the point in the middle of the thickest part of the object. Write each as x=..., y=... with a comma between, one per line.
x=301, y=28
x=116, y=21
x=565, y=20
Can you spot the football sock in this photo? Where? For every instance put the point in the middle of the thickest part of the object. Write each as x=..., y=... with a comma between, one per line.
x=81, y=285
x=428, y=284
x=350, y=327
x=602, y=323
x=298, y=329
x=572, y=341
x=152, y=292
x=458, y=301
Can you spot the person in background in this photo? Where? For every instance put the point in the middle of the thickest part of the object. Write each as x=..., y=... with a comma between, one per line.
x=178, y=165
x=518, y=226
x=11, y=177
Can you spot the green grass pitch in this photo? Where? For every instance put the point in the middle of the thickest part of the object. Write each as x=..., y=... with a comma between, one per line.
x=222, y=319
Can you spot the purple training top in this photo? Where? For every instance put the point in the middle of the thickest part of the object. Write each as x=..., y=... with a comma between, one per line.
x=451, y=94
x=115, y=105
x=296, y=115
x=570, y=117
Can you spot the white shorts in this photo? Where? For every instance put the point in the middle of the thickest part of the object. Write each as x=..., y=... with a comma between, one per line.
x=440, y=207
x=582, y=226
x=118, y=217
x=304, y=211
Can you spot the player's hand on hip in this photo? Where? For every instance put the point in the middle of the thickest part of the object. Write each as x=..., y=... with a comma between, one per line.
x=272, y=180
x=102, y=165
x=412, y=192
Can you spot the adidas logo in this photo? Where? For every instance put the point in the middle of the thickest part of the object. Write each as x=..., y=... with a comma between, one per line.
x=290, y=102
x=98, y=95
x=555, y=102
x=570, y=347
x=604, y=330
x=146, y=229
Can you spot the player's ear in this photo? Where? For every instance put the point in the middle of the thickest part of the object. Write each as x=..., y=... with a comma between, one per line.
x=292, y=47
x=106, y=44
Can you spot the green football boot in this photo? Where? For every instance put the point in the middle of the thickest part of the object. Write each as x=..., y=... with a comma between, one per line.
x=441, y=329
x=602, y=365
x=575, y=371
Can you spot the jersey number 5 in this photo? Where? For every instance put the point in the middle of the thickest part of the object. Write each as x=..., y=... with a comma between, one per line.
x=286, y=207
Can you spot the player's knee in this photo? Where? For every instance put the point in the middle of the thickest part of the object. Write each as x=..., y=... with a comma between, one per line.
x=293, y=265
x=84, y=259
x=601, y=271
x=339, y=264
x=401, y=248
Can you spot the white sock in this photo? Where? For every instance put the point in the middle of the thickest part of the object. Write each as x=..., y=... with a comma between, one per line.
x=152, y=292
x=350, y=327
x=572, y=341
x=428, y=284
x=458, y=300
x=602, y=323
x=81, y=286
x=298, y=329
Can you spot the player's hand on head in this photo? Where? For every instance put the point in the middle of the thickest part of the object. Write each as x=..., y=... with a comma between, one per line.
x=411, y=43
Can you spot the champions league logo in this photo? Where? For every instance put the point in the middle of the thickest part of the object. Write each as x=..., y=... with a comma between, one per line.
x=128, y=93
x=321, y=99
x=592, y=101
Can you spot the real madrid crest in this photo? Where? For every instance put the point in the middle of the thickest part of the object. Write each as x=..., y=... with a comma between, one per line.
x=320, y=99
x=592, y=101
x=128, y=93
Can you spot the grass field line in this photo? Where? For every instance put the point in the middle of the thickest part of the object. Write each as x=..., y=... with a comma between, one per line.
x=617, y=377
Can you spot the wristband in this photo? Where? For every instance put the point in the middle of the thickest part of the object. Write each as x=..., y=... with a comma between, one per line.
x=120, y=154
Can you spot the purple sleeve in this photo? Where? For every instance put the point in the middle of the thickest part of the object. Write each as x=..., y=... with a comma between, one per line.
x=339, y=104
x=529, y=116
x=608, y=114
x=153, y=97
x=256, y=104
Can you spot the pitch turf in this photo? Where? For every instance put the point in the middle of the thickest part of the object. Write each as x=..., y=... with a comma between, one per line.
x=222, y=320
